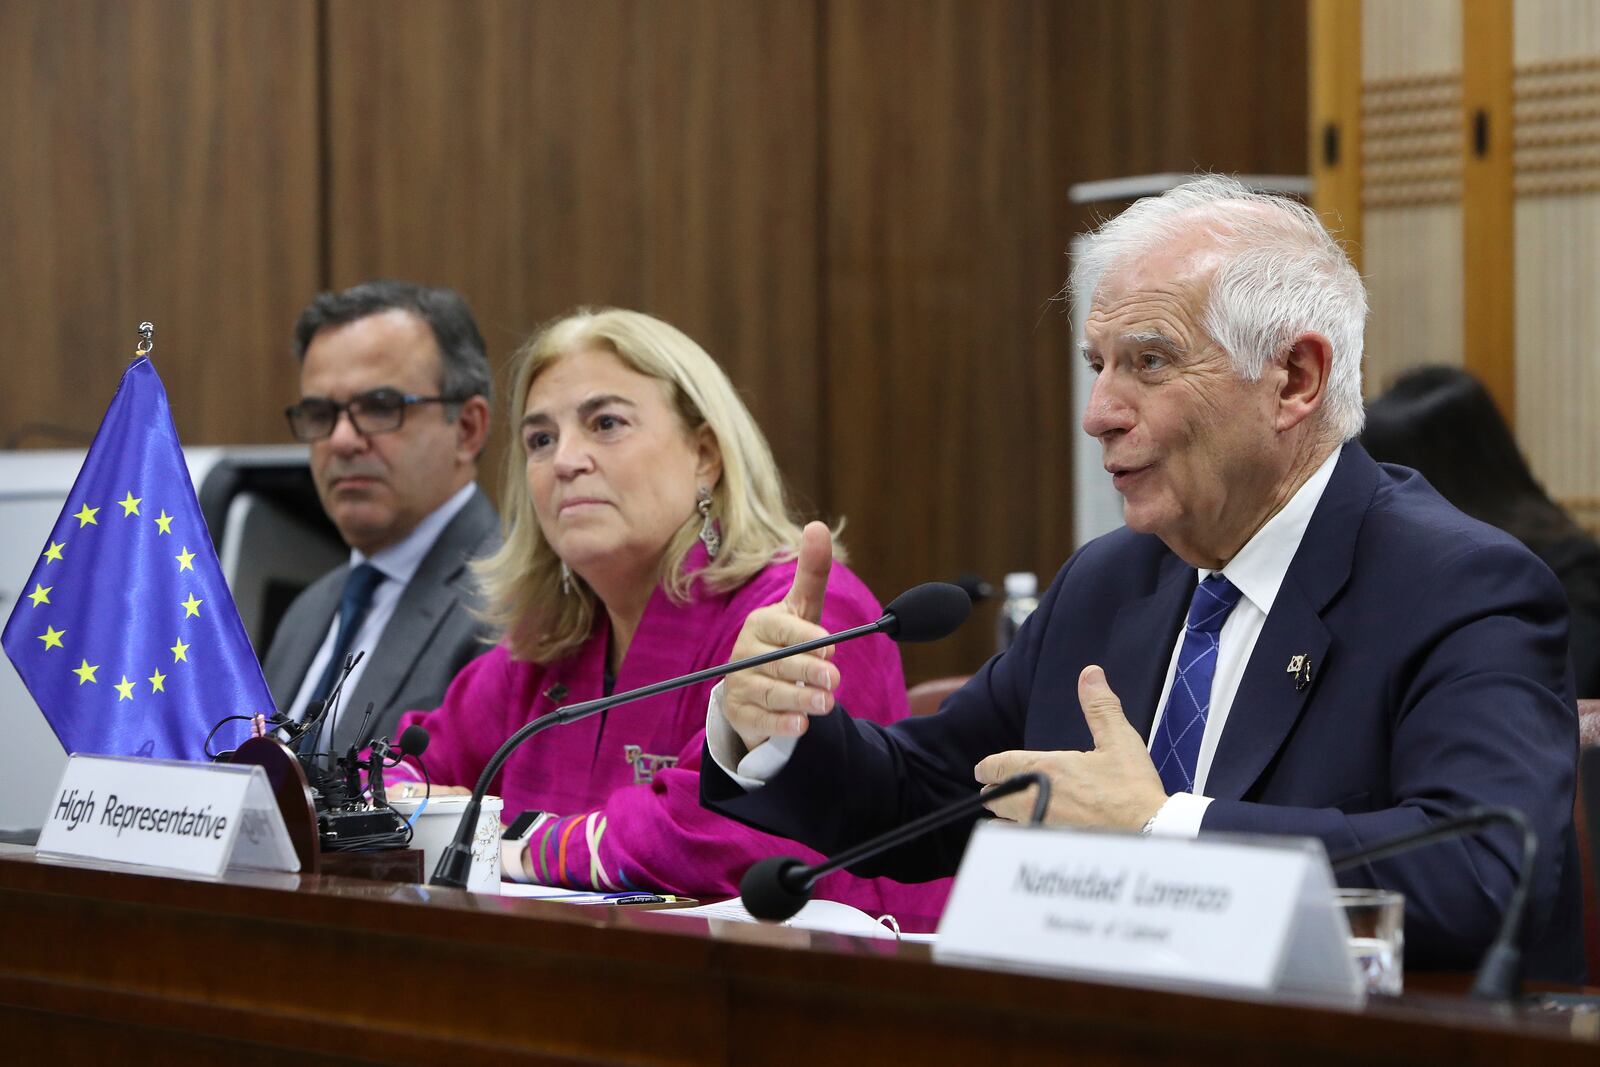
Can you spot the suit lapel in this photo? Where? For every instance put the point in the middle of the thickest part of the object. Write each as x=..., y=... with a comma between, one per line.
x=1142, y=637
x=1268, y=703
x=1270, y=700
x=430, y=595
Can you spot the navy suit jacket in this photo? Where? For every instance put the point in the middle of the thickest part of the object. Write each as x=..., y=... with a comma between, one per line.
x=1439, y=682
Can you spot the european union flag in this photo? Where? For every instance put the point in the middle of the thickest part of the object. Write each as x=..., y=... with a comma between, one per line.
x=126, y=634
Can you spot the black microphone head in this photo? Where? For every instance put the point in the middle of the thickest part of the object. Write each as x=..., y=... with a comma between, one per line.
x=767, y=891
x=976, y=586
x=927, y=612
x=413, y=741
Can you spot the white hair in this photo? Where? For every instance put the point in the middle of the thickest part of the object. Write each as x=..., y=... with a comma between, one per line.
x=1282, y=275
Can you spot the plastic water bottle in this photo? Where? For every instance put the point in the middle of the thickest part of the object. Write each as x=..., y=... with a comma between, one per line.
x=1022, y=596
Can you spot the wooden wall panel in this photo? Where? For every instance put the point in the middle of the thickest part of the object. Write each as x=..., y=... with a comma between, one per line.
x=1177, y=85
x=159, y=163
x=946, y=357
x=536, y=156
x=952, y=133
x=859, y=208
x=1335, y=145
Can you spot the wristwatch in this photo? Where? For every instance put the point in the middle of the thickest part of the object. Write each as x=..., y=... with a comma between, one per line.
x=513, y=844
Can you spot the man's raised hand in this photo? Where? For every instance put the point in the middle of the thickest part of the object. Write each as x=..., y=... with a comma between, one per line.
x=773, y=700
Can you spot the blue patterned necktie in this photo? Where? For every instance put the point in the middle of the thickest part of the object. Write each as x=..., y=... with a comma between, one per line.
x=1176, y=750
x=358, y=589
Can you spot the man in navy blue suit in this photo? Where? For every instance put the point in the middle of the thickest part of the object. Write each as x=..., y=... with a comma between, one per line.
x=1285, y=638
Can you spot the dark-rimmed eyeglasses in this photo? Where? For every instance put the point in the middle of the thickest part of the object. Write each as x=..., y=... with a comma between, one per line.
x=375, y=412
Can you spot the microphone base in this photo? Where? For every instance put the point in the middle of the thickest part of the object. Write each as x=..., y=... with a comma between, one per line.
x=1499, y=975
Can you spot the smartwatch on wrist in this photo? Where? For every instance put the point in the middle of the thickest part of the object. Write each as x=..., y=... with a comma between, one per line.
x=523, y=825
x=513, y=844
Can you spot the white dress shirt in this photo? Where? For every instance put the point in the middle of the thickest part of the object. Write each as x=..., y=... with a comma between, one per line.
x=1258, y=570
x=398, y=564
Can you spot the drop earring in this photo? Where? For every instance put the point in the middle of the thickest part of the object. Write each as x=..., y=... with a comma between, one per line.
x=566, y=579
x=708, y=527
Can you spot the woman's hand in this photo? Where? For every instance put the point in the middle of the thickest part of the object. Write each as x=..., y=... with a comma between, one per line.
x=417, y=790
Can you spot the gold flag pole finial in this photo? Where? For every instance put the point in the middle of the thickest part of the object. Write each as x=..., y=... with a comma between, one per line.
x=147, y=331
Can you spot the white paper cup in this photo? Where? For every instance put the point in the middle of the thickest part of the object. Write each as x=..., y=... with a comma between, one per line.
x=435, y=828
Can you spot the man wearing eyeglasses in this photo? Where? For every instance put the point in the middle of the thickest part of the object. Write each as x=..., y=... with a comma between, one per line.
x=394, y=402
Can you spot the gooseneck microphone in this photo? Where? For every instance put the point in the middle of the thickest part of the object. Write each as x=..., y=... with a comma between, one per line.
x=413, y=742
x=1499, y=974
x=924, y=613
x=309, y=728
x=777, y=887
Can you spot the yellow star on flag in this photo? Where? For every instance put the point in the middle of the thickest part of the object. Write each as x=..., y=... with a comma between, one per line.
x=185, y=560
x=85, y=672
x=86, y=516
x=164, y=521
x=157, y=682
x=40, y=594
x=53, y=553
x=191, y=607
x=130, y=504
x=52, y=637
x=124, y=689
x=178, y=651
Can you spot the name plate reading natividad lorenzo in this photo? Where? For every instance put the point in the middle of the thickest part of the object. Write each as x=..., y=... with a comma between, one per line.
x=196, y=817
x=1255, y=914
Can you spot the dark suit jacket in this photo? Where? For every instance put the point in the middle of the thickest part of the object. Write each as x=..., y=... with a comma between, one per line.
x=1440, y=681
x=429, y=638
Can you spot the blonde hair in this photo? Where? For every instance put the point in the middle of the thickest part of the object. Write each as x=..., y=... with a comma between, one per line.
x=522, y=581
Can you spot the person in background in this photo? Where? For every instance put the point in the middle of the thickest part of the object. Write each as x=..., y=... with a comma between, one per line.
x=644, y=523
x=1441, y=422
x=394, y=402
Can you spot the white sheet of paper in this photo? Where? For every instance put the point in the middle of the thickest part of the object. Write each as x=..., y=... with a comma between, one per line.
x=827, y=915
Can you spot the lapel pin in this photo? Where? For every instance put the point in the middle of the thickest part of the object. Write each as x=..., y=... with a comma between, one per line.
x=1300, y=667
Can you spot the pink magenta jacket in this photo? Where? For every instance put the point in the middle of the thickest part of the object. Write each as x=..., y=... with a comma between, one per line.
x=626, y=782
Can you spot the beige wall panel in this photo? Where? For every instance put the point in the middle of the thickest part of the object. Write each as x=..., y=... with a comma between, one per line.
x=1411, y=62
x=1407, y=37
x=1557, y=237
x=1413, y=271
x=1558, y=317
x=1554, y=29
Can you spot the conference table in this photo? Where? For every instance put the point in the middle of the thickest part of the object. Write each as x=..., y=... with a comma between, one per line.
x=99, y=964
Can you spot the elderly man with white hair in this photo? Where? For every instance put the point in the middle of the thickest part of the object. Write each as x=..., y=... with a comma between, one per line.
x=1285, y=638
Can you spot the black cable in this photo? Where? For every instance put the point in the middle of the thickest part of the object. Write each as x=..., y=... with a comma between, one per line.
x=205, y=745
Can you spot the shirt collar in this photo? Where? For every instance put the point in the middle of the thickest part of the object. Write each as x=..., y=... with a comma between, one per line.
x=1259, y=567
x=400, y=560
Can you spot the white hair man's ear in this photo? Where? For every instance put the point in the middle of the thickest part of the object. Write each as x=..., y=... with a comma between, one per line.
x=1307, y=365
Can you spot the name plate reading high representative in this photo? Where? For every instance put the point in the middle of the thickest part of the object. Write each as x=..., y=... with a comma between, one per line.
x=1215, y=911
x=196, y=817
